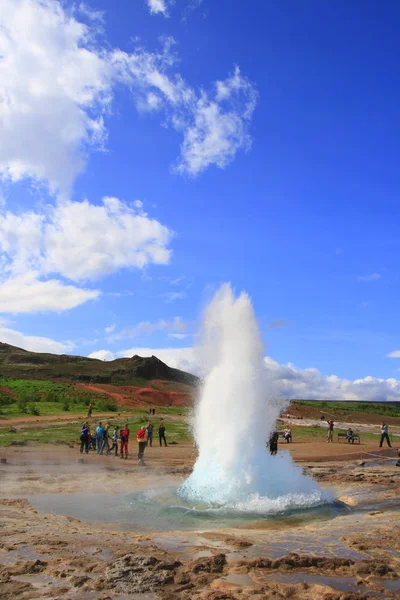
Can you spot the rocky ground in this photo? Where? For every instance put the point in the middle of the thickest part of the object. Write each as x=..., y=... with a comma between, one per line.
x=348, y=554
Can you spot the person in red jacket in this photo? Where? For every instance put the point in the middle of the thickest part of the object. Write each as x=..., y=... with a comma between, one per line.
x=142, y=441
x=124, y=435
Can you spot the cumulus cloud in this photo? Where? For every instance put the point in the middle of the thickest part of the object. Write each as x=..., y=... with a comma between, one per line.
x=218, y=126
x=28, y=294
x=110, y=328
x=76, y=241
x=394, y=354
x=57, y=83
x=33, y=343
x=158, y=7
x=103, y=355
x=54, y=90
x=370, y=277
x=290, y=381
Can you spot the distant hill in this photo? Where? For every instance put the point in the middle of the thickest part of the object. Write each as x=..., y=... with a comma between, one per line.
x=22, y=364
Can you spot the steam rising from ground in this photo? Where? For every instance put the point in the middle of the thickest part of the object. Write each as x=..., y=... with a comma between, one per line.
x=234, y=417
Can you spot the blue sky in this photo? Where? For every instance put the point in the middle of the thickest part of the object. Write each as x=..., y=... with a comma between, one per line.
x=254, y=143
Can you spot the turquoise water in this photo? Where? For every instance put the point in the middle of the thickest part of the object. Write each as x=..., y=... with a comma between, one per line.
x=163, y=510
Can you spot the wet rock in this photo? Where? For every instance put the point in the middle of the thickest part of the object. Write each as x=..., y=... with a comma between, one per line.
x=378, y=569
x=139, y=574
x=165, y=565
x=182, y=578
x=212, y=564
x=297, y=561
x=79, y=580
x=30, y=566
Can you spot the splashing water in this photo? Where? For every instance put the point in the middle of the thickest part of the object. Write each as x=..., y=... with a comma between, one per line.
x=234, y=417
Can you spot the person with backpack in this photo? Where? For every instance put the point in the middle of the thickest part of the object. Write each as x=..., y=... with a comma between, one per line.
x=149, y=429
x=115, y=437
x=124, y=436
x=99, y=438
x=385, y=435
x=141, y=440
x=85, y=430
x=330, y=431
x=161, y=433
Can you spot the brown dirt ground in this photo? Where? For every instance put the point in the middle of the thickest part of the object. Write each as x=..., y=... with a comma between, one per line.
x=129, y=395
x=60, y=557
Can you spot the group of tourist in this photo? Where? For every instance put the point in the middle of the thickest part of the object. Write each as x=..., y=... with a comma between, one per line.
x=100, y=439
x=350, y=436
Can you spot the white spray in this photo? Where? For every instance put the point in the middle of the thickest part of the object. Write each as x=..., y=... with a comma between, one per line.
x=234, y=417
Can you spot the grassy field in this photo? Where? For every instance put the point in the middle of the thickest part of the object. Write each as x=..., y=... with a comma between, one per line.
x=176, y=421
x=36, y=397
x=376, y=408
x=176, y=431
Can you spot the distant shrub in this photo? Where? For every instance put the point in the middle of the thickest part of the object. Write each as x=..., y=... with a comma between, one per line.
x=6, y=400
x=106, y=404
x=33, y=409
x=22, y=405
x=66, y=406
x=53, y=396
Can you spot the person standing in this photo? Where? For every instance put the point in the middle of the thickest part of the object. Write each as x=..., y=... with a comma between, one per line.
x=85, y=438
x=106, y=444
x=385, y=435
x=141, y=440
x=89, y=410
x=161, y=433
x=114, y=438
x=99, y=438
x=124, y=435
x=273, y=443
x=149, y=429
x=330, y=430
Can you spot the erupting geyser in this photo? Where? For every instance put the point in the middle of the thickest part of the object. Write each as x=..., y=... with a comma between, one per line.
x=235, y=414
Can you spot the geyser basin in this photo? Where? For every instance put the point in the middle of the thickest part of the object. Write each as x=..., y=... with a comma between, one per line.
x=234, y=417
x=161, y=510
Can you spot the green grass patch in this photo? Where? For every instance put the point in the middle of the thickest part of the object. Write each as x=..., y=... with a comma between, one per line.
x=176, y=431
x=376, y=408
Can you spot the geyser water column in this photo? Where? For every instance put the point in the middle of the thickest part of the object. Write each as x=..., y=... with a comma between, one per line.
x=234, y=416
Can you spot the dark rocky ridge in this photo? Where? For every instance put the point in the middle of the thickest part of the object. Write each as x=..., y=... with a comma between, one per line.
x=23, y=364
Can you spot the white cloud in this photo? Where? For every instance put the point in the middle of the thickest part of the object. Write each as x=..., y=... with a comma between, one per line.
x=172, y=296
x=77, y=241
x=33, y=343
x=147, y=327
x=158, y=7
x=290, y=381
x=394, y=354
x=370, y=277
x=103, y=355
x=110, y=237
x=110, y=328
x=216, y=128
x=27, y=294
x=177, y=358
x=54, y=89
